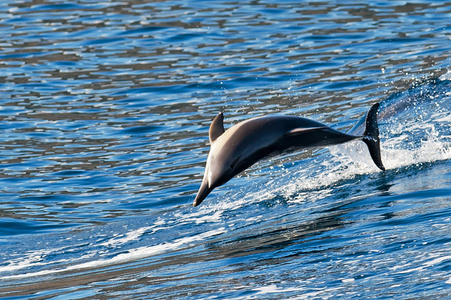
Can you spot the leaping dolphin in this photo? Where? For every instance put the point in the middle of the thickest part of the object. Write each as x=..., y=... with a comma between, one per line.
x=247, y=142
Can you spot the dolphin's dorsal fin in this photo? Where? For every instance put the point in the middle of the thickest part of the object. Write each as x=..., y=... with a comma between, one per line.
x=298, y=131
x=216, y=128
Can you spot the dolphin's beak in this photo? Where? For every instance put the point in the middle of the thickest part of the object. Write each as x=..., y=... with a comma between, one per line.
x=203, y=192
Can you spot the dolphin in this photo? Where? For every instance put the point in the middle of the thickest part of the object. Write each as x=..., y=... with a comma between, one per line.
x=247, y=142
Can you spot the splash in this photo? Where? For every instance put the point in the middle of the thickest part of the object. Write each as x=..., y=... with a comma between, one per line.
x=416, y=124
x=415, y=128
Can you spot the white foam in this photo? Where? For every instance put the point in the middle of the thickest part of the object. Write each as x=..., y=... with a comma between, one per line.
x=446, y=76
x=274, y=289
x=432, y=147
x=129, y=236
x=437, y=260
x=130, y=255
x=200, y=217
x=424, y=261
x=34, y=258
x=120, y=239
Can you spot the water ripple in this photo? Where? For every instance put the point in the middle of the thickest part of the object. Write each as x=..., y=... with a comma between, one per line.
x=104, y=134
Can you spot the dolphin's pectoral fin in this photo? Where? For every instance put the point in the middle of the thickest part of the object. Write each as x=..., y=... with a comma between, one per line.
x=216, y=128
x=234, y=163
x=298, y=131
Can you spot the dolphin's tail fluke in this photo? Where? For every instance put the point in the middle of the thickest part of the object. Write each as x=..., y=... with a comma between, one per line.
x=371, y=136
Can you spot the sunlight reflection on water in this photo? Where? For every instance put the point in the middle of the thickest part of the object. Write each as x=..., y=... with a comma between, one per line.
x=105, y=112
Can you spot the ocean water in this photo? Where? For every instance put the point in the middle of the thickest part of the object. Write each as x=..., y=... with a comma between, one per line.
x=104, y=116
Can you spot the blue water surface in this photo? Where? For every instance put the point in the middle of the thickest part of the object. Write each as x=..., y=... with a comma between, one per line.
x=104, y=116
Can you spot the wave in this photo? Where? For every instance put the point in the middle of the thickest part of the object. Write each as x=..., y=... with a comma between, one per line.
x=415, y=129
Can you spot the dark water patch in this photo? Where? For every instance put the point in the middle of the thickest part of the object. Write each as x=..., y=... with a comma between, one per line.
x=57, y=7
x=143, y=30
x=104, y=41
x=141, y=129
x=14, y=227
x=401, y=40
x=185, y=37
